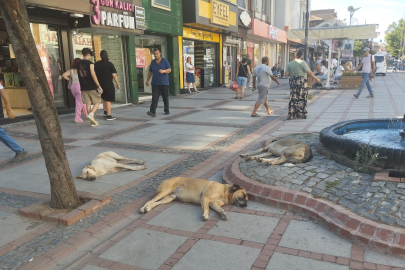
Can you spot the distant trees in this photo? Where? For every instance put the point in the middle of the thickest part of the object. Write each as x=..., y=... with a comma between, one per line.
x=394, y=35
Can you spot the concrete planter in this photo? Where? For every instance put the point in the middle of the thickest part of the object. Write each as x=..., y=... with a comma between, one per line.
x=350, y=82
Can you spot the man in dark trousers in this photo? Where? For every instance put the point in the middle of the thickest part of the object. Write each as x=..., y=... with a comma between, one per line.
x=160, y=69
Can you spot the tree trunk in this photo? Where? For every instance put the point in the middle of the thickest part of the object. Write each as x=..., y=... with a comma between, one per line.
x=63, y=190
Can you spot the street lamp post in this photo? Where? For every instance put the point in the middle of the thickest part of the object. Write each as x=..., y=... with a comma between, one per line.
x=306, y=33
x=352, y=10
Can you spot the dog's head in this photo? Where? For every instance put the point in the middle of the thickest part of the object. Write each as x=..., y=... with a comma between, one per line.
x=238, y=196
x=88, y=173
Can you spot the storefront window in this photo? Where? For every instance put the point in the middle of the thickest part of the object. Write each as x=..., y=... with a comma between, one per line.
x=144, y=55
x=203, y=55
x=47, y=41
x=113, y=45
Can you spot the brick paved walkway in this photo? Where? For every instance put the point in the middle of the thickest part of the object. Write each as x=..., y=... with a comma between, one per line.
x=203, y=134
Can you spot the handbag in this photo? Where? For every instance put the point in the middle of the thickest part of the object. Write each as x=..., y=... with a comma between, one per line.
x=233, y=86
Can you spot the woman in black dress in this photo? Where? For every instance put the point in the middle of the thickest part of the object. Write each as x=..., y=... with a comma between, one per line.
x=106, y=72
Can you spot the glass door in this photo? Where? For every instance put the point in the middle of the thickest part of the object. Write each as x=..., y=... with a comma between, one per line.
x=47, y=40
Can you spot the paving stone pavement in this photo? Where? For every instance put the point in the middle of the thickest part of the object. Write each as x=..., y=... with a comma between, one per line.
x=326, y=178
x=172, y=236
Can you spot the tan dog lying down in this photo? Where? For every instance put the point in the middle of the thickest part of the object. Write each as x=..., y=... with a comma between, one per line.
x=207, y=193
x=109, y=162
x=288, y=150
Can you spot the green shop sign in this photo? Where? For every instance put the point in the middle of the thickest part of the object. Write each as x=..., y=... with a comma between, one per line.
x=163, y=4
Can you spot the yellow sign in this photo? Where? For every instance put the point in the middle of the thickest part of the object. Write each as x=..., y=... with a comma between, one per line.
x=201, y=35
x=220, y=13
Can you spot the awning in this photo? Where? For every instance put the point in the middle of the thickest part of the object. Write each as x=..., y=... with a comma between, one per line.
x=335, y=29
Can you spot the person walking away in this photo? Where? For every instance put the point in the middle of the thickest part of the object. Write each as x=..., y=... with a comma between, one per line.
x=264, y=76
x=89, y=85
x=298, y=71
x=242, y=73
x=249, y=63
x=190, y=75
x=323, y=74
x=74, y=85
x=160, y=69
x=368, y=66
x=20, y=153
x=106, y=72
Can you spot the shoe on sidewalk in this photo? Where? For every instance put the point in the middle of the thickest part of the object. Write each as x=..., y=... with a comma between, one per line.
x=19, y=156
x=167, y=113
x=110, y=118
x=151, y=114
x=105, y=114
x=356, y=96
x=90, y=116
x=94, y=124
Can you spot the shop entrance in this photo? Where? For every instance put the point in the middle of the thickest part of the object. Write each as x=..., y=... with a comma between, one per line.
x=204, y=56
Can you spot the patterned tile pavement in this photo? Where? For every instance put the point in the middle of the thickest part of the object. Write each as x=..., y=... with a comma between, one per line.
x=104, y=239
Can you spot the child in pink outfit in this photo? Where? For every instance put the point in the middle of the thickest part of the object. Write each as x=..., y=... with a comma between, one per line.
x=75, y=88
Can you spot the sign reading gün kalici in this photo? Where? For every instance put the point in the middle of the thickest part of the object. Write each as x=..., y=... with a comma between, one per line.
x=131, y=17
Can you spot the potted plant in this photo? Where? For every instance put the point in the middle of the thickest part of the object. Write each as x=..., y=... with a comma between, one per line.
x=351, y=80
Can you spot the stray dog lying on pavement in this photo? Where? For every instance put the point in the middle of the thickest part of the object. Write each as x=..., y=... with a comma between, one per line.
x=109, y=162
x=207, y=193
x=288, y=150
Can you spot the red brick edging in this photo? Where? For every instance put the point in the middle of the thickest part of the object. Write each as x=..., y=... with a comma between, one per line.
x=360, y=230
x=38, y=211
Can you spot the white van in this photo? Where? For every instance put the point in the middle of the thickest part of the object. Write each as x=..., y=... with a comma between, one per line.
x=380, y=64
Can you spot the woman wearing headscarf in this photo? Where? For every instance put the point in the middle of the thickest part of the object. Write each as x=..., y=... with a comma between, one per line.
x=106, y=72
x=298, y=70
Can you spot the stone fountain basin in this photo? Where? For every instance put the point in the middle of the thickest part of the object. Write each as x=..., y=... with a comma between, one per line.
x=346, y=137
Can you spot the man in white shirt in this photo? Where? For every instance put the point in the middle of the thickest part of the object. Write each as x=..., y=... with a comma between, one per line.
x=264, y=76
x=367, y=72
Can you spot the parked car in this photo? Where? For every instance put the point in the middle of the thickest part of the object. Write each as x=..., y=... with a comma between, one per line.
x=380, y=64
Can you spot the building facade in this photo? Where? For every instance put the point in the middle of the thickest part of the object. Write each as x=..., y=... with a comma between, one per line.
x=128, y=30
x=205, y=24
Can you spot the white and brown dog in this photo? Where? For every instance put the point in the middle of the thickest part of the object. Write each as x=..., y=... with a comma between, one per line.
x=109, y=162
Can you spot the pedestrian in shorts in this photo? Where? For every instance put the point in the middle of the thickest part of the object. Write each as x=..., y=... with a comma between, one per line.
x=89, y=85
x=262, y=77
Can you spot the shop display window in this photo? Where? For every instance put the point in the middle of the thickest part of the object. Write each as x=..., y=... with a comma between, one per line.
x=47, y=42
x=204, y=58
x=113, y=45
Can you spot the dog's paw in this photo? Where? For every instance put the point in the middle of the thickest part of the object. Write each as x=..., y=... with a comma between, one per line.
x=243, y=155
x=260, y=160
x=141, y=162
x=142, y=210
x=204, y=218
x=224, y=216
x=143, y=167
